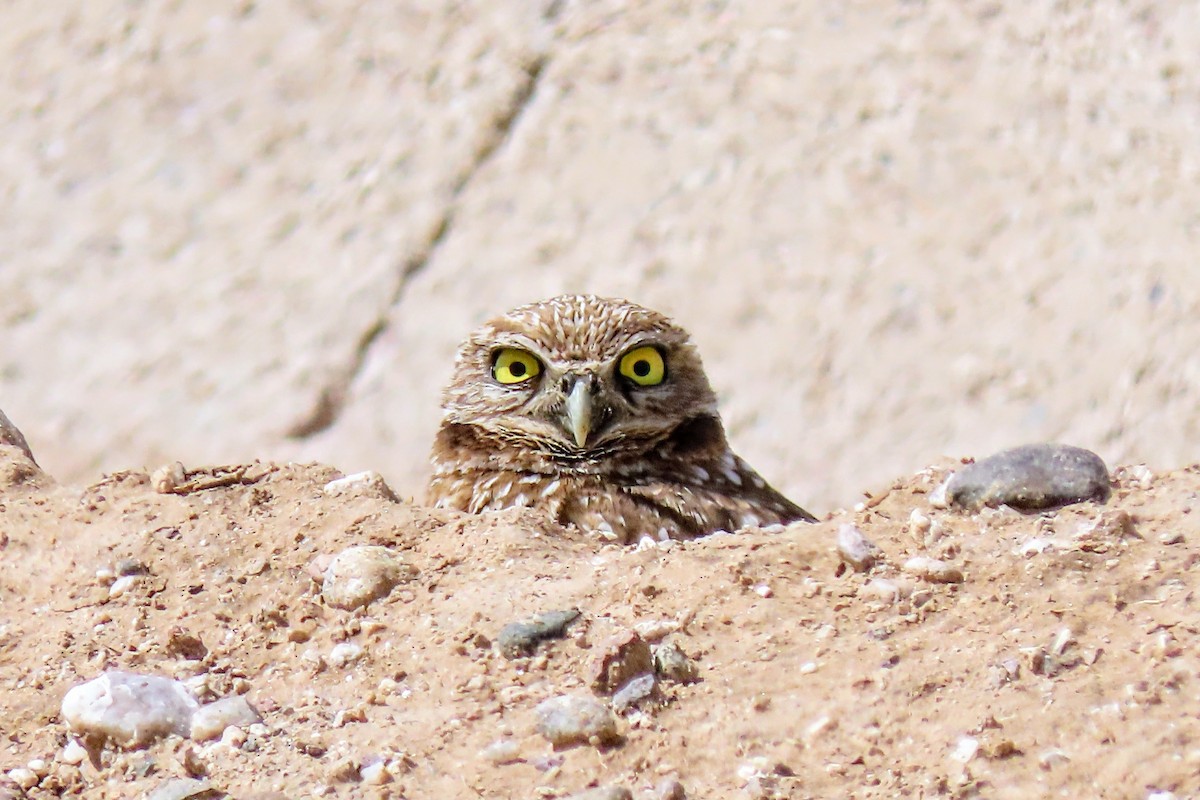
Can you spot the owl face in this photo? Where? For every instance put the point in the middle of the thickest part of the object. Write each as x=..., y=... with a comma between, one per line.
x=578, y=378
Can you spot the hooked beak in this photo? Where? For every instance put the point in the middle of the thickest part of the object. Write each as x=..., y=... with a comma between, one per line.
x=579, y=412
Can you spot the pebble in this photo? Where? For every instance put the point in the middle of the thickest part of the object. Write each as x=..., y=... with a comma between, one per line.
x=518, y=639
x=367, y=484
x=572, y=719
x=122, y=585
x=73, y=753
x=1031, y=477
x=210, y=721
x=128, y=708
x=856, y=549
x=889, y=591
x=375, y=773
x=344, y=654
x=233, y=737
x=653, y=630
x=502, y=751
x=820, y=726
x=620, y=659
x=965, y=750
x=25, y=778
x=1109, y=528
x=933, y=570
x=672, y=664
x=643, y=687
x=167, y=478
x=364, y=573
x=937, y=498
x=10, y=435
x=603, y=793
x=180, y=789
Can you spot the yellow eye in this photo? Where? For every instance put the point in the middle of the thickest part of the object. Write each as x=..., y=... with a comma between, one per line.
x=514, y=366
x=644, y=366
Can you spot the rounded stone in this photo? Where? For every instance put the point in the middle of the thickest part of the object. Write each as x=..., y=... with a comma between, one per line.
x=1031, y=477
x=129, y=709
x=571, y=719
x=362, y=574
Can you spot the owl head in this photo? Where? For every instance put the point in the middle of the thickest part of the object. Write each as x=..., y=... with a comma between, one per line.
x=579, y=377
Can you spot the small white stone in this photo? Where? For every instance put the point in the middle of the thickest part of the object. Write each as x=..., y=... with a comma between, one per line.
x=168, y=477
x=1033, y=547
x=128, y=708
x=819, y=727
x=753, y=768
x=855, y=548
x=880, y=589
x=1142, y=474
x=937, y=498
x=368, y=483
x=210, y=721
x=73, y=753
x=1062, y=640
x=575, y=719
x=25, y=778
x=652, y=630
x=344, y=654
x=361, y=574
x=1048, y=759
x=762, y=590
x=233, y=737
x=918, y=522
x=808, y=668
x=375, y=773
x=966, y=749
x=502, y=751
x=122, y=585
x=933, y=570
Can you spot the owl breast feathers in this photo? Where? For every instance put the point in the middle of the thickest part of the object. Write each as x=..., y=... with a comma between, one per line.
x=597, y=412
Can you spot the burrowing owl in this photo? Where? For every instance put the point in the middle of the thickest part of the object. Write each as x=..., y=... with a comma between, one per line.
x=598, y=412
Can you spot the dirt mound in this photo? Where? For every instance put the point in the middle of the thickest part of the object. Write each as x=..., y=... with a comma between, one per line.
x=1062, y=663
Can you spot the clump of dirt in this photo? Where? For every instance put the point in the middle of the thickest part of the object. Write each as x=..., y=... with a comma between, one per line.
x=1063, y=662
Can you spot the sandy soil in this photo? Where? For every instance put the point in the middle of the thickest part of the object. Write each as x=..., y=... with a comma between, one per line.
x=1063, y=664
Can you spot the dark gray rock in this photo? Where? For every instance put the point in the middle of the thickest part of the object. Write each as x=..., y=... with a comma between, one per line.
x=1031, y=477
x=10, y=435
x=519, y=639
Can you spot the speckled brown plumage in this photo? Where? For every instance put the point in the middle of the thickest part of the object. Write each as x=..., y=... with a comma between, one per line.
x=576, y=434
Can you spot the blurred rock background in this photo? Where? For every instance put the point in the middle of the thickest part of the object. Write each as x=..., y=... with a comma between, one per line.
x=896, y=230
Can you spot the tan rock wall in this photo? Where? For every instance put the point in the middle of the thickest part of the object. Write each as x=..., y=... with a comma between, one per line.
x=896, y=231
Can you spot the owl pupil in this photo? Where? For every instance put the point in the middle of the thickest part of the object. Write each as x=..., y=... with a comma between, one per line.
x=517, y=369
x=641, y=368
